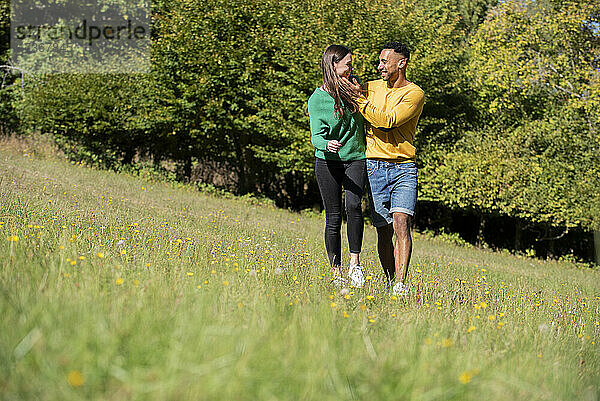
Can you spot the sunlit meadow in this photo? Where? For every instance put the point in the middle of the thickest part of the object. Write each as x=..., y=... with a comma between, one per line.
x=115, y=287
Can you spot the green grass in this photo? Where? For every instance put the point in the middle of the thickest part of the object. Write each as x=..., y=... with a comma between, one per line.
x=119, y=288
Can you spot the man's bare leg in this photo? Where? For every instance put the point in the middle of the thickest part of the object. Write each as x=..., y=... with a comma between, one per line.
x=385, y=249
x=403, y=248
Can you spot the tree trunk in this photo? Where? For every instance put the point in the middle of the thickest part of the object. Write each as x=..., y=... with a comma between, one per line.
x=480, y=231
x=597, y=245
x=518, y=235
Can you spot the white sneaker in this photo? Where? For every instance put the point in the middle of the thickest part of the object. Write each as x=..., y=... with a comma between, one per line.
x=399, y=290
x=357, y=278
x=338, y=281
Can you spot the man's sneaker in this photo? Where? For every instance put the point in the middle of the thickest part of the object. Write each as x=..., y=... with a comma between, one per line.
x=338, y=281
x=357, y=278
x=399, y=290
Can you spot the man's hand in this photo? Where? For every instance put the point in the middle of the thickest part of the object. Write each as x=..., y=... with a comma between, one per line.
x=354, y=86
x=333, y=146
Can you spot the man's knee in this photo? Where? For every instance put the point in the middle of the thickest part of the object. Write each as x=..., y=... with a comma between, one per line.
x=402, y=223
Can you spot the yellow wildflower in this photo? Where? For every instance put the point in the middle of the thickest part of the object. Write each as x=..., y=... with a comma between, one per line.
x=75, y=378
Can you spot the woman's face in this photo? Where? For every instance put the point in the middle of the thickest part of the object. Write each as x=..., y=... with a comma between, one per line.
x=344, y=67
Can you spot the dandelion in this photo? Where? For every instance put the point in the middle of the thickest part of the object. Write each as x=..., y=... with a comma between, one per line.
x=470, y=329
x=119, y=281
x=346, y=314
x=466, y=376
x=333, y=305
x=190, y=274
x=225, y=283
x=12, y=238
x=491, y=317
x=370, y=297
x=75, y=378
x=82, y=257
x=100, y=255
x=447, y=342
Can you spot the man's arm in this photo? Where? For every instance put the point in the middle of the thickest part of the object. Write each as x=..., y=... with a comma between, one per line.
x=410, y=106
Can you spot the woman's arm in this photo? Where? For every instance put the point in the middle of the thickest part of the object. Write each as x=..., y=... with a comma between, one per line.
x=320, y=127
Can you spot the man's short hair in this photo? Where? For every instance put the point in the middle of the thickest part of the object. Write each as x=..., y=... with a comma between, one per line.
x=398, y=47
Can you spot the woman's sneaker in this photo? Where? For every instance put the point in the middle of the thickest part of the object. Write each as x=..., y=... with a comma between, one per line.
x=399, y=290
x=357, y=278
x=338, y=281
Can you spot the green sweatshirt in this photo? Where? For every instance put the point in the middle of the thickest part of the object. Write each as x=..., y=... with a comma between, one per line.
x=326, y=126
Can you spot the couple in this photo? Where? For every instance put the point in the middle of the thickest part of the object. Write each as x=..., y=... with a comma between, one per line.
x=359, y=133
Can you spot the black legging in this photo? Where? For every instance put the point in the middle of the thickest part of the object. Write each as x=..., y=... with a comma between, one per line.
x=331, y=176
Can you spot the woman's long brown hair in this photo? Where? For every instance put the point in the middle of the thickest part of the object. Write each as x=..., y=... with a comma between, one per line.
x=332, y=83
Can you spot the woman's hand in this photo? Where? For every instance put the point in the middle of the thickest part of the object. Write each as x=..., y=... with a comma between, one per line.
x=354, y=86
x=333, y=146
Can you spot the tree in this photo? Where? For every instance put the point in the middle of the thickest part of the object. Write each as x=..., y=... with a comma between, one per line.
x=534, y=68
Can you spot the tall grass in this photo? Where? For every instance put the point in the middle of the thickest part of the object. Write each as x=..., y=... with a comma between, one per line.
x=112, y=287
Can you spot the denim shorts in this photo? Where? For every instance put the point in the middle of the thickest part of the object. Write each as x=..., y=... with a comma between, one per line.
x=393, y=189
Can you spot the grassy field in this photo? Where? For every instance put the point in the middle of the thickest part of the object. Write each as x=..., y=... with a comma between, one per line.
x=116, y=288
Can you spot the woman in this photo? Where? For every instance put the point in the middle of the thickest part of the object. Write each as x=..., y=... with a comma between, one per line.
x=338, y=136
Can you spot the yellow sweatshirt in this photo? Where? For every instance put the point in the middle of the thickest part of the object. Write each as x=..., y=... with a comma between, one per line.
x=391, y=115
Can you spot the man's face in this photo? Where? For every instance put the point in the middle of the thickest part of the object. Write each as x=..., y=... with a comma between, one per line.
x=390, y=64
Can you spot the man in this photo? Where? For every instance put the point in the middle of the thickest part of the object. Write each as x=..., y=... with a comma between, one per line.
x=392, y=107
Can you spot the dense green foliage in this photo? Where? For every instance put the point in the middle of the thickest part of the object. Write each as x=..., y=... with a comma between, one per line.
x=510, y=125
x=8, y=91
x=534, y=68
